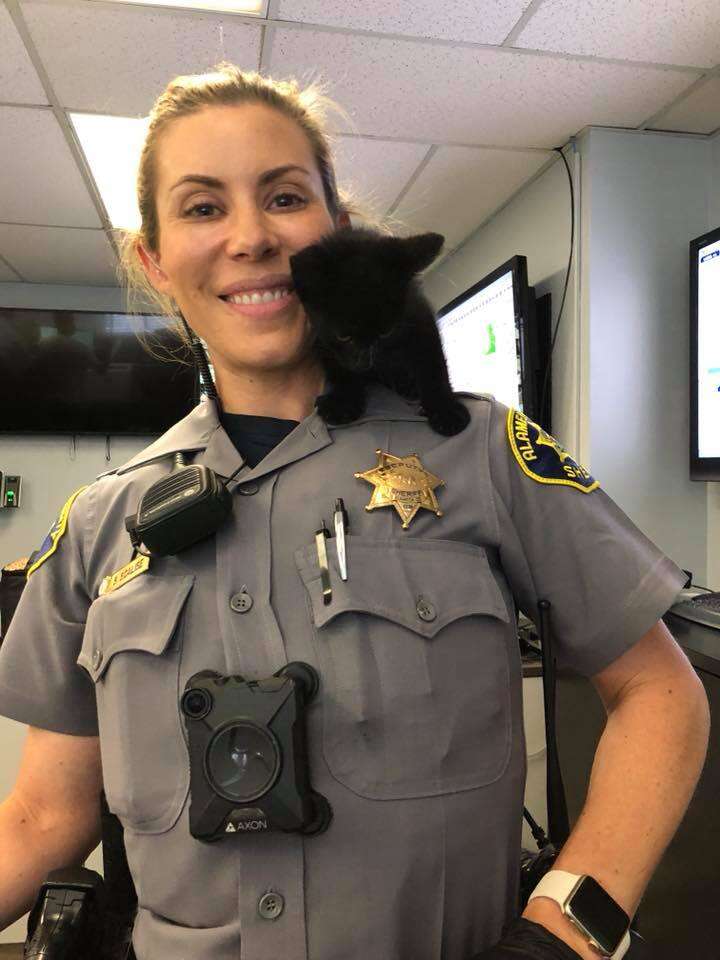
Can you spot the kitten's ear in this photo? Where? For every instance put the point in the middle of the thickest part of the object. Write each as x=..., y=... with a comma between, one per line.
x=418, y=252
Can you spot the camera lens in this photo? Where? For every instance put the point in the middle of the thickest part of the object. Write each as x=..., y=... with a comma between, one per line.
x=242, y=761
x=196, y=703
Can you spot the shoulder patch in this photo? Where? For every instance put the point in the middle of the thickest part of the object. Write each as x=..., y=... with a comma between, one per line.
x=542, y=458
x=54, y=536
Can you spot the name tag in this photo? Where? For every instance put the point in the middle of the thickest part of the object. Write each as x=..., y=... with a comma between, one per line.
x=124, y=575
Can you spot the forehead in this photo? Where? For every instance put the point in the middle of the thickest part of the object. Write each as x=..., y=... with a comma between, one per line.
x=227, y=141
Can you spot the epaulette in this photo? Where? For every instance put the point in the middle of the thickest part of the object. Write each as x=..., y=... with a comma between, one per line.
x=129, y=466
x=475, y=396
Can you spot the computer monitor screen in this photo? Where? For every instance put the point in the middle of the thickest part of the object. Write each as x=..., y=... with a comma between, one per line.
x=489, y=339
x=705, y=356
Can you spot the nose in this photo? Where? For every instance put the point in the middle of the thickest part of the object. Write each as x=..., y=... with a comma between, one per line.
x=251, y=234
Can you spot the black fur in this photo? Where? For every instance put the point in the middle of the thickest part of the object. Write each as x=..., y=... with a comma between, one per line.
x=373, y=323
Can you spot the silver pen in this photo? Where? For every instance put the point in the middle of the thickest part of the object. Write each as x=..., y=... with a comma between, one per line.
x=341, y=526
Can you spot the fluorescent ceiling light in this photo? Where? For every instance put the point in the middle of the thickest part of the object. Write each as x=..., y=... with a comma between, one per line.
x=248, y=7
x=112, y=148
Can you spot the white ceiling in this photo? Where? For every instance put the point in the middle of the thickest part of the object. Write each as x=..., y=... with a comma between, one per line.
x=454, y=105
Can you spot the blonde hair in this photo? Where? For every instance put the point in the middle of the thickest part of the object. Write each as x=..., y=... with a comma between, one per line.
x=224, y=85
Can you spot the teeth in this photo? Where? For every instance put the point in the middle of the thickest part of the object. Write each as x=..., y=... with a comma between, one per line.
x=266, y=297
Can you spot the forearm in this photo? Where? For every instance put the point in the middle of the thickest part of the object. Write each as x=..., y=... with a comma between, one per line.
x=29, y=850
x=645, y=770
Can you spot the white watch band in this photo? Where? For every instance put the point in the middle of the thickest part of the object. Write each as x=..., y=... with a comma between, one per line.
x=558, y=885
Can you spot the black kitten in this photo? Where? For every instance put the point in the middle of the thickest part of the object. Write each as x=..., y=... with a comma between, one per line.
x=373, y=323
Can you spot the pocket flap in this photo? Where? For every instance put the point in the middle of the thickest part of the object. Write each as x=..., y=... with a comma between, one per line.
x=421, y=584
x=140, y=616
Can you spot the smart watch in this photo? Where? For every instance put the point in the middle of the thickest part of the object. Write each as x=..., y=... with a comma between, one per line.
x=590, y=908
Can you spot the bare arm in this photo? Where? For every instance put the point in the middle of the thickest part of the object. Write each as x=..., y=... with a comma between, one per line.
x=52, y=817
x=646, y=767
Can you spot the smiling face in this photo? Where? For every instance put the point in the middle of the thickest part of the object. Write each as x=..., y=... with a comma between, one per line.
x=244, y=227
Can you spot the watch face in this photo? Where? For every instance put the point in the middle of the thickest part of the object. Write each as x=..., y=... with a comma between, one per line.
x=596, y=910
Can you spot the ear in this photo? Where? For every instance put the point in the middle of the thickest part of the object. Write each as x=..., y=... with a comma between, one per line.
x=152, y=270
x=343, y=220
x=418, y=252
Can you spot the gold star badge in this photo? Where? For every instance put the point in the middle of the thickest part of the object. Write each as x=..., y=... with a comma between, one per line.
x=403, y=483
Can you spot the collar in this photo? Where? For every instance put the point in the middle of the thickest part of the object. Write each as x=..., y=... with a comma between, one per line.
x=201, y=432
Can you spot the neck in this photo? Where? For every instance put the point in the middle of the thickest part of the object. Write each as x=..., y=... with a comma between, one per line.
x=284, y=394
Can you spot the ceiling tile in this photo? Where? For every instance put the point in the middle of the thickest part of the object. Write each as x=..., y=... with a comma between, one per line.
x=117, y=58
x=486, y=21
x=18, y=80
x=462, y=186
x=39, y=179
x=682, y=32
x=59, y=255
x=376, y=170
x=697, y=113
x=431, y=92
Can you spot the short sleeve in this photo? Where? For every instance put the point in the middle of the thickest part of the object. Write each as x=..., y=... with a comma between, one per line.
x=40, y=682
x=564, y=540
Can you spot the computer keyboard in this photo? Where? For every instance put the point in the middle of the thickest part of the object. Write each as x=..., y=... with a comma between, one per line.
x=711, y=600
x=703, y=608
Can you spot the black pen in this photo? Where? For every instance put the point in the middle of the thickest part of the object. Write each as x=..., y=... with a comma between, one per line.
x=320, y=536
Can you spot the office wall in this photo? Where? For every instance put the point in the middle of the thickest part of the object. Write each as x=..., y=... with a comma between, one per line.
x=647, y=196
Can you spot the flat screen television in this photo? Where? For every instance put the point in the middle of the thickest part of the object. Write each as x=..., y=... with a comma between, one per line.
x=705, y=356
x=86, y=372
x=496, y=340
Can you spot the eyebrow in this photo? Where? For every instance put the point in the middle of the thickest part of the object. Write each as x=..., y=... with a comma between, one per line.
x=264, y=178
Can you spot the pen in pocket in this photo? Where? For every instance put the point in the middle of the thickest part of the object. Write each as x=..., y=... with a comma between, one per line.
x=320, y=537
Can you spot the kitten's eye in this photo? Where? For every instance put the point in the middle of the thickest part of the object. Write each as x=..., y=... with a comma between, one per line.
x=384, y=335
x=343, y=339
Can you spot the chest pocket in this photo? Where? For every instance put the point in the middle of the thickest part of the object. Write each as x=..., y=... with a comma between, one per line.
x=414, y=657
x=131, y=649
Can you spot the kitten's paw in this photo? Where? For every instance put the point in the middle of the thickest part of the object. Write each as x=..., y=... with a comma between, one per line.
x=450, y=419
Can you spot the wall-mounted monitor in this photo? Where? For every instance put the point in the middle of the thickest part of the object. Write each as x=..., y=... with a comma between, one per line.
x=85, y=372
x=705, y=356
x=496, y=341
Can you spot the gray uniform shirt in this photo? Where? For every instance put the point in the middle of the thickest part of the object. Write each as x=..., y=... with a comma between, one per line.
x=416, y=735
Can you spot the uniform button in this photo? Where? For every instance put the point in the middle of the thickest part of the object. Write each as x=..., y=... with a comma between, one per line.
x=97, y=659
x=271, y=905
x=241, y=602
x=249, y=489
x=425, y=610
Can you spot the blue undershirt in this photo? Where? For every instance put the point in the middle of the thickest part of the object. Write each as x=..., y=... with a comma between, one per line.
x=254, y=437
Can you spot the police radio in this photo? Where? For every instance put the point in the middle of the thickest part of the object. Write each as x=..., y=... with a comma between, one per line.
x=180, y=509
x=248, y=755
x=189, y=504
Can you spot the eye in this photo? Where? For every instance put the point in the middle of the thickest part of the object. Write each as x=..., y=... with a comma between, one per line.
x=199, y=206
x=295, y=195
x=343, y=339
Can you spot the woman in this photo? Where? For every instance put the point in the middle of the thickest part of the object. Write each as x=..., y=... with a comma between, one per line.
x=415, y=736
